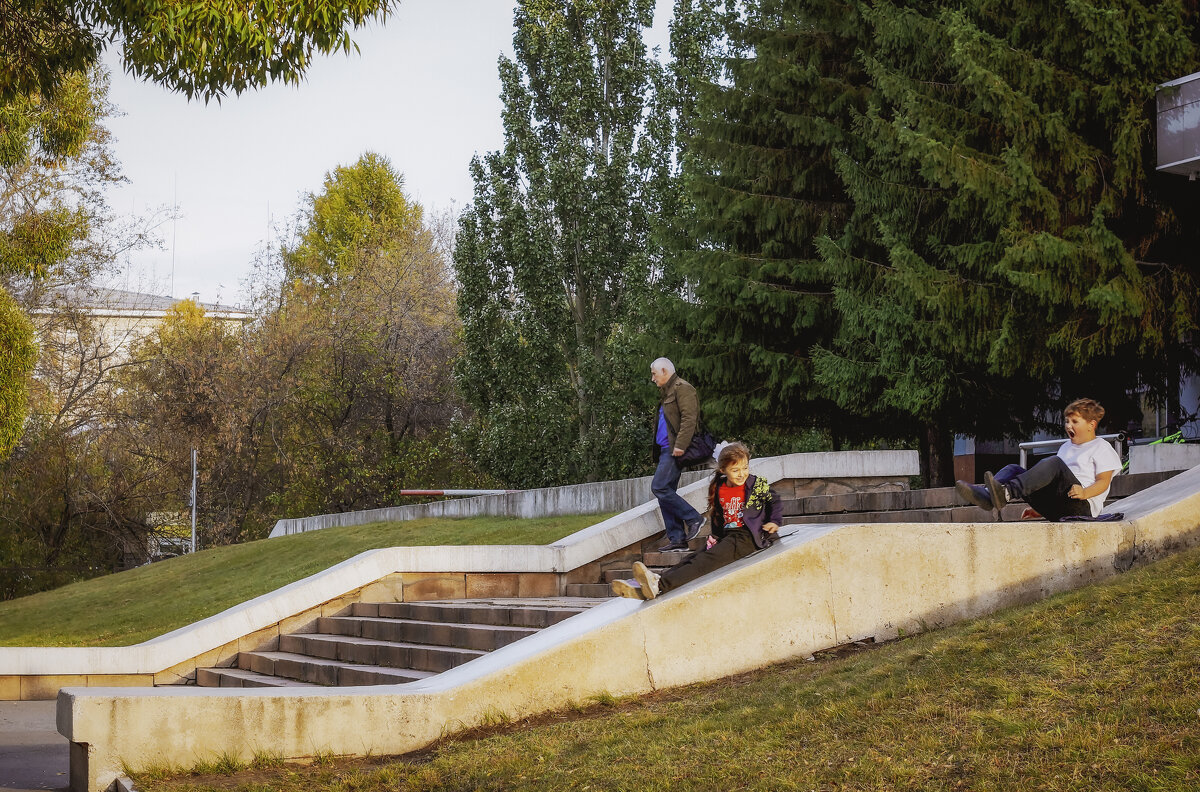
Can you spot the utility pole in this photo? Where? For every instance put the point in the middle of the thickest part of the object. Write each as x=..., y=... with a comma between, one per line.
x=193, y=500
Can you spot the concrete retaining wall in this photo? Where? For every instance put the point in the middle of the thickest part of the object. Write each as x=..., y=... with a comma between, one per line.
x=822, y=473
x=819, y=587
x=597, y=497
x=1163, y=457
x=38, y=672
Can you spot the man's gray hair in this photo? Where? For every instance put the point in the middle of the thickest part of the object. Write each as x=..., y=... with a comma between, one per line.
x=663, y=364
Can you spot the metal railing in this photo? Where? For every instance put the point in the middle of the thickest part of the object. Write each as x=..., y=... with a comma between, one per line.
x=1116, y=440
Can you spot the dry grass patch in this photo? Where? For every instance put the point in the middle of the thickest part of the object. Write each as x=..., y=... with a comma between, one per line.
x=1097, y=690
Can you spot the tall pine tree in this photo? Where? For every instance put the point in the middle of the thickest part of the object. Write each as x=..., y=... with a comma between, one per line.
x=1000, y=211
x=760, y=170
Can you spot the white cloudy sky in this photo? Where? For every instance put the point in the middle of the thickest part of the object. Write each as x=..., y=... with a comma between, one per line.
x=423, y=91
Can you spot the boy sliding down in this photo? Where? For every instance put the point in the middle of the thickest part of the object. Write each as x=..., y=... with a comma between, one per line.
x=1074, y=482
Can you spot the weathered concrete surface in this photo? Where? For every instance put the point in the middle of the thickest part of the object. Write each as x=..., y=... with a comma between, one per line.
x=601, y=496
x=38, y=672
x=33, y=755
x=1164, y=456
x=827, y=467
x=820, y=586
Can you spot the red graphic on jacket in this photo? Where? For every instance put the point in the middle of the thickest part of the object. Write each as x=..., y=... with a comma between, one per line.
x=732, y=500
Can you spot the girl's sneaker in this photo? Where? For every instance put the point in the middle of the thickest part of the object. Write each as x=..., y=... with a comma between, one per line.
x=647, y=579
x=630, y=589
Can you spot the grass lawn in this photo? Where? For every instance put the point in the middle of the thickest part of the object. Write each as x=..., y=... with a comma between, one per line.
x=133, y=606
x=1097, y=690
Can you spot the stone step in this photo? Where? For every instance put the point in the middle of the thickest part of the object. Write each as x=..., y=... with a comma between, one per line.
x=655, y=542
x=485, y=637
x=926, y=500
x=240, y=677
x=321, y=671
x=597, y=590
x=667, y=559
x=626, y=574
x=506, y=613
x=368, y=651
x=956, y=514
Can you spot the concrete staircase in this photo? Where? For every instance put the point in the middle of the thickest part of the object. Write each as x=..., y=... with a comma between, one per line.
x=939, y=505
x=388, y=643
x=623, y=570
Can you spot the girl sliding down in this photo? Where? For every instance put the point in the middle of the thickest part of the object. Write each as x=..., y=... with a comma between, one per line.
x=745, y=514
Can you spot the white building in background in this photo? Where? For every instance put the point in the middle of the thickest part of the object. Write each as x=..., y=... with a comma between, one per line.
x=118, y=318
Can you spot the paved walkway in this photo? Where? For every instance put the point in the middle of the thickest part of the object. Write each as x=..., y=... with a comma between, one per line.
x=33, y=755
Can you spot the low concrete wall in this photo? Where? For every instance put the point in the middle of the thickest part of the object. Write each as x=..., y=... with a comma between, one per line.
x=822, y=472
x=1163, y=456
x=600, y=496
x=820, y=586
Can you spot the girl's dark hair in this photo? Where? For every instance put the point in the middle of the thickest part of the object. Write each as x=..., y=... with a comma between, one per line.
x=734, y=452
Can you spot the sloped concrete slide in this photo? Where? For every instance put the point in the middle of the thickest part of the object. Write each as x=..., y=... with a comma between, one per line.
x=822, y=586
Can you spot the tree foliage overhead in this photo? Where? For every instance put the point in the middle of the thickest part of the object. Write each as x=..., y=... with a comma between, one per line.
x=1002, y=213
x=553, y=257
x=973, y=183
x=760, y=171
x=54, y=225
x=202, y=48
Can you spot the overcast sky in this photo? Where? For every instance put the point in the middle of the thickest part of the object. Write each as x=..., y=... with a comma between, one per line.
x=423, y=91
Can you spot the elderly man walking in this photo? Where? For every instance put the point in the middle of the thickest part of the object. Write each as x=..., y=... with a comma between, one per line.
x=677, y=419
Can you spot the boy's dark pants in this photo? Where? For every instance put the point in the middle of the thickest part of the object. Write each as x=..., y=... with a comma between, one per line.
x=1044, y=487
x=738, y=543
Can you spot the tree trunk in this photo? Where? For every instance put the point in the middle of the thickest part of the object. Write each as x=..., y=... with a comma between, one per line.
x=937, y=456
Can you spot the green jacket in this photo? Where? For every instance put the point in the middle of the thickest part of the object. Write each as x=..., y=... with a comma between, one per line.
x=681, y=407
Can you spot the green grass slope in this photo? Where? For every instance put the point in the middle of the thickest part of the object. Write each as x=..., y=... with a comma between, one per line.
x=1096, y=690
x=133, y=606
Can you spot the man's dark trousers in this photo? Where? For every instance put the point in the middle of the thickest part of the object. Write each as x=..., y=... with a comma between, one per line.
x=1044, y=487
x=676, y=511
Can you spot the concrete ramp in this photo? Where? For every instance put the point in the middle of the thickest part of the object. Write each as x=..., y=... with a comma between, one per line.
x=821, y=586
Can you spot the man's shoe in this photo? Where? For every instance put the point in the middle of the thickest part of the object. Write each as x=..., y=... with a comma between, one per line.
x=672, y=546
x=629, y=589
x=647, y=579
x=974, y=493
x=998, y=493
x=694, y=529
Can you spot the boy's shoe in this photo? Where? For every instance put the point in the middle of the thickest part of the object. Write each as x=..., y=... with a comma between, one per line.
x=974, y=493
x=672, y=546
x=693, y=529
x=647, y=579
x=998, y=493
x=630, y=589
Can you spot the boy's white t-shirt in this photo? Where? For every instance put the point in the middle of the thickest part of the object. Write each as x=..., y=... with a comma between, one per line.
x=1087, y=461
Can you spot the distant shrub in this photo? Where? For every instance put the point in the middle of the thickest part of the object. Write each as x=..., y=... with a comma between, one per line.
x=18, y=353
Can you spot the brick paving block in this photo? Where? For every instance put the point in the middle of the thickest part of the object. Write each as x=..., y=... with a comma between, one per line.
x=340, y=625
x=367, y=609
x=617, y=574
x=665, y=559
x=537, y=584
x=492, y=585
x=588, y=590
x=425, y=586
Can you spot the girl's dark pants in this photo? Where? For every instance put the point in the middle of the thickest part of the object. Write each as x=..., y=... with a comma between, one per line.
x=738, y=543
x=1044, y=487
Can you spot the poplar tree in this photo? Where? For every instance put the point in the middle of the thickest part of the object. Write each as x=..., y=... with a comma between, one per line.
x=1002, y=210
x=760, y=171
x=552, y=256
